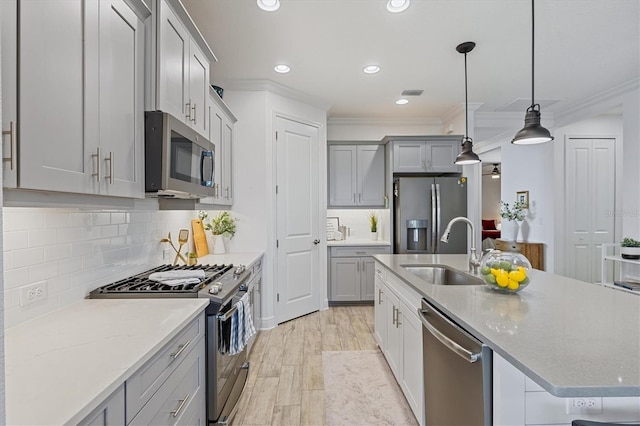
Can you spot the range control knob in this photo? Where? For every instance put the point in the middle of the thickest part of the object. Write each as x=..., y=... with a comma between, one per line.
x=239, y=269
x=216, y=287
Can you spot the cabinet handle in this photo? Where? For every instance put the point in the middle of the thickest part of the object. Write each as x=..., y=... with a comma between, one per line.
x=195, y=115
x=393, y=316
x=361, y=252
x=110, y=160
x=226, y=191
x=188, y=108
x=12, y=144
x=181, y=349
x=175, y=412
x=97, y=155
x=398, y=318
x=379, y=296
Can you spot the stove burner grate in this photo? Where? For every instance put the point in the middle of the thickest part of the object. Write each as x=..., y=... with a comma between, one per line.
x=141, y=284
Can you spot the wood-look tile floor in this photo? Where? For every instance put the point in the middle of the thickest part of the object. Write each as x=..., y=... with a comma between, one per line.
x=285, y=386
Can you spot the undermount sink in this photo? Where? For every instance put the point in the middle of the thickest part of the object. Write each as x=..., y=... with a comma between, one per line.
x=442, y=275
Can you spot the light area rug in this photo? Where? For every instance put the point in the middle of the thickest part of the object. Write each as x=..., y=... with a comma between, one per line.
x=360, y=390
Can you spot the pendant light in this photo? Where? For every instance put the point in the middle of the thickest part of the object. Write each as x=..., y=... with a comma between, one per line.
x=495, y=174
x=467, y=156
x=532, y=132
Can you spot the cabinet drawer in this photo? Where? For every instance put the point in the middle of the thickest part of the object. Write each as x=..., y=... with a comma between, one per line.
x=183, y=391
x=146, y=381
x=359, y=251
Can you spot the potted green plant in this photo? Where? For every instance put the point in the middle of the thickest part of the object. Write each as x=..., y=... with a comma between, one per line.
x=223, y=225
x=373, y=225
x=630, y=248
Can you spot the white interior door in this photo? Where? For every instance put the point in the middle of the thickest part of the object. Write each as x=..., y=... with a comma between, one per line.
x=590, y=203
x=298, y=212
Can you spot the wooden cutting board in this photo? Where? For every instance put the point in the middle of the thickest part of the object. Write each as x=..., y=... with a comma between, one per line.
x=199, y=238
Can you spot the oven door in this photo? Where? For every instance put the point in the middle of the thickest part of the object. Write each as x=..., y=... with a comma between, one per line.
x=226, y=380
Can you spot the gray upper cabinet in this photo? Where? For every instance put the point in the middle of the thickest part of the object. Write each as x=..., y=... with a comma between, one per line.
x=80, y=96
x=221, y=129
x=182, y=59
x=356, y=175
x=431, y=155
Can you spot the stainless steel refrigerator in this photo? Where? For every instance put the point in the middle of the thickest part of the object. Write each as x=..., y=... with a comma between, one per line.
x=422, y=208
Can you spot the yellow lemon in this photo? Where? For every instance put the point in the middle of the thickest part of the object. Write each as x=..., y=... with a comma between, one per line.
x=494, y=271
x=502, y=280
x=517, y=276
x=513, y=285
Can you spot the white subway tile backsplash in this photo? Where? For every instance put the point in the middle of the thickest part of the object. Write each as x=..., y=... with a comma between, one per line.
x=27, y=257
x=77, y=250
x=66, y=235
x=42, y=237
x=15, y=240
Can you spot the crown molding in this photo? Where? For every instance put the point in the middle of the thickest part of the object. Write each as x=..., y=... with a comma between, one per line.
x=368, y=121
x=275, y=88
x=596, y=104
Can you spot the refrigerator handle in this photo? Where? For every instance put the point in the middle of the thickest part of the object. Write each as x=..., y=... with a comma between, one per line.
x=434, y=229
x=438, y=211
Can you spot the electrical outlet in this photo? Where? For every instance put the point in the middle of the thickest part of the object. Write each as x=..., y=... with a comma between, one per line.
x=586, y=405
x=33, y=293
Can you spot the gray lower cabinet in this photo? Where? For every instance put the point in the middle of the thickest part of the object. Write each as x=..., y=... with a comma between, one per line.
x=169, y=389
x=170, y=385
x=110, y=412
x=352, y=272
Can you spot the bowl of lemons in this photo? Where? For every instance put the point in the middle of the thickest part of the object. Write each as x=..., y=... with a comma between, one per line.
x=505, y=272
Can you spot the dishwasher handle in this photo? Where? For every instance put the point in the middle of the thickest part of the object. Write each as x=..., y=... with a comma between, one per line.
x=463, y=353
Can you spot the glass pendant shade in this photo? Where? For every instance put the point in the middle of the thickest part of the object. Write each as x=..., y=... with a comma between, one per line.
x=467, y=156
x=532, y=132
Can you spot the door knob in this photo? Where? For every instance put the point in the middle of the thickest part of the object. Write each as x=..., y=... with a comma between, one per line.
x=316, y=242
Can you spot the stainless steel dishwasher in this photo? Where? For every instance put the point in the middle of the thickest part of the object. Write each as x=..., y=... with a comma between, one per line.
x=457, y=372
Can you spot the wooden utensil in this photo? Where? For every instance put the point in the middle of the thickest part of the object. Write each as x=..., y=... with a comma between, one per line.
x=199, y=238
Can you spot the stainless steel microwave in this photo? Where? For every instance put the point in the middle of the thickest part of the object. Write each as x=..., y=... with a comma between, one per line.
x=179, y=163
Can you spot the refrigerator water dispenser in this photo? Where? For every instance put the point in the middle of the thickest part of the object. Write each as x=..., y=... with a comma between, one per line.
x=417, y=234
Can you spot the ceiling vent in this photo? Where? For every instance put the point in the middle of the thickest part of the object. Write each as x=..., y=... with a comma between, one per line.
x=414, y=92
x=521, y=104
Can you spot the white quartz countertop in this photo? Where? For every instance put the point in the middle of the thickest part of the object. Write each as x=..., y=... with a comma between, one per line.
x=357, y=242
x=571, y=337
x=230, y=258
x=61, y=366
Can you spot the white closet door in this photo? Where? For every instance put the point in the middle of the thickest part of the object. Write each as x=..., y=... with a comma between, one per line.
x=590, y=203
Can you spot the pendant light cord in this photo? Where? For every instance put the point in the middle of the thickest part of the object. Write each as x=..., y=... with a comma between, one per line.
x=466, y=102
x=532, y=48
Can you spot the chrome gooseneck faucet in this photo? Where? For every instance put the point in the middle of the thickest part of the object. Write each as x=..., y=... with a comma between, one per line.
x=474, y=262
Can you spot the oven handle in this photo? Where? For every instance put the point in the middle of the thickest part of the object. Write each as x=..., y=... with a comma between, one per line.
x=228, y=314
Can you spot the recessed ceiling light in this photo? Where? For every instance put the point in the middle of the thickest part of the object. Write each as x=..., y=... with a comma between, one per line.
x=397, y=6
x=269, y=5
x=371, y=69
x=282, y=69
x=402, y=101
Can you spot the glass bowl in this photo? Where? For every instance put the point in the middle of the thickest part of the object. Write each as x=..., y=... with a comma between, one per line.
x=506, y=272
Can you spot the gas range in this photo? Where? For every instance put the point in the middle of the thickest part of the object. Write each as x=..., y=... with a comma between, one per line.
x=220, y=283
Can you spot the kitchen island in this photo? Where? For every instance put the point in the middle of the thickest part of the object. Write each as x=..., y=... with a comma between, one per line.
x=572, y=338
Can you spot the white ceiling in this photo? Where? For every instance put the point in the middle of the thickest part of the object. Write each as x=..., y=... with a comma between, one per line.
x=583, y=47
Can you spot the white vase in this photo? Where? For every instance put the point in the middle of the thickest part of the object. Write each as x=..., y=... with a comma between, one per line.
x=218, y=245
x=374, y=236
x=630, y=252
x=509, y=230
